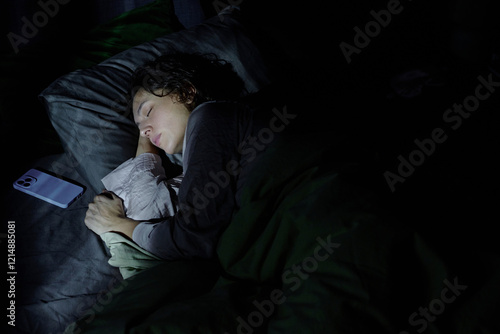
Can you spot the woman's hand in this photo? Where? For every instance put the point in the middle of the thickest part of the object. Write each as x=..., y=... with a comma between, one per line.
x=145, y=146
x=106, y=214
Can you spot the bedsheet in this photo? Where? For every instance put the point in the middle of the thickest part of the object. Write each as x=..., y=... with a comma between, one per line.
x=62, y=267
x=310, y=251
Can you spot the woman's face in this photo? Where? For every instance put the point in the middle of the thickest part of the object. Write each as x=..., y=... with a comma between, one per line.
x=163, y=120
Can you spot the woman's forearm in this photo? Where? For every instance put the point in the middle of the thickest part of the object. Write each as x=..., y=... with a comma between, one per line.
x=145, y=146
x=125, y=226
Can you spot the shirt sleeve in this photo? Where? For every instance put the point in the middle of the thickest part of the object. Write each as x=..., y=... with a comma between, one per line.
x=207, y=193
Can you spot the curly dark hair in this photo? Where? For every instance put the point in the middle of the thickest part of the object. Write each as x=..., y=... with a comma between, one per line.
x=178, y=73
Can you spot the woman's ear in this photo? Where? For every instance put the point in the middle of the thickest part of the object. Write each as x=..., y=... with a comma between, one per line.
x=192, y=94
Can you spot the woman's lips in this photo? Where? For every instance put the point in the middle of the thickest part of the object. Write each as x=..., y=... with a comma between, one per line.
x=156, y=140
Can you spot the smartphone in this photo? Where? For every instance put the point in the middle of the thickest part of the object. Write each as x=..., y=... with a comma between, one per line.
x=49, y=188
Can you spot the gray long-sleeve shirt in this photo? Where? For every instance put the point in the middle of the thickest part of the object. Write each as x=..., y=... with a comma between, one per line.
x=223, y=140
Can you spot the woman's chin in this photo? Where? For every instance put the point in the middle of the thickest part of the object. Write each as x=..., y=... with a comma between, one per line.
x=169, y=150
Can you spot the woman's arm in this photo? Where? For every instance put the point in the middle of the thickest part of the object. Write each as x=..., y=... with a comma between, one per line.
x=145, y=146
x=138, y=189
x=207, y=196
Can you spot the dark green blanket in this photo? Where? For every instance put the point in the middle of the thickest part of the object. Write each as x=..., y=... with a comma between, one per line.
x=309, y=252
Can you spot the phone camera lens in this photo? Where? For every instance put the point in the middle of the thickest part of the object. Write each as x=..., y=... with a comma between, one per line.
x=20, y=182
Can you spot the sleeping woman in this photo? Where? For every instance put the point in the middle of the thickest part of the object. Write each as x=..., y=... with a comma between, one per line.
x=185, y=104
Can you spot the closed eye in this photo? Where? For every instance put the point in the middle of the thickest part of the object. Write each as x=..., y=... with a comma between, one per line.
x=149, y=112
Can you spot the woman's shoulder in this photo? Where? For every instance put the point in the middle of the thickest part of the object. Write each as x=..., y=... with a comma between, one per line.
x=218, y=110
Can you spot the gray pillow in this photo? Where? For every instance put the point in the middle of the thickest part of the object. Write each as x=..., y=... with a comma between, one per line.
x=89, y=108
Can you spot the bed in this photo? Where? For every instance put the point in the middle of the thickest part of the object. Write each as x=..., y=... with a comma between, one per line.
x=316, y=247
